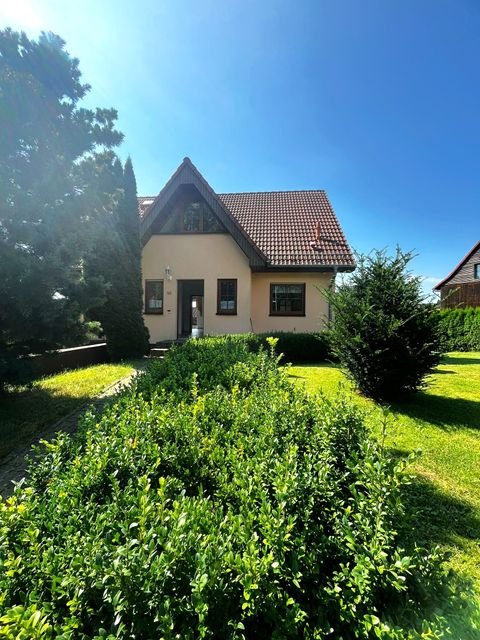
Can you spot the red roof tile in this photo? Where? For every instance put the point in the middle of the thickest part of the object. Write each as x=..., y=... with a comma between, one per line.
x=283, y=224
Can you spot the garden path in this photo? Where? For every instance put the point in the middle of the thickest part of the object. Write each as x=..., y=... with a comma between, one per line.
x=14, y=466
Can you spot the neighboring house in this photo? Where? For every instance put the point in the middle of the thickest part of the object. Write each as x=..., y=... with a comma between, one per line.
x=237, y=262
x=462, y=287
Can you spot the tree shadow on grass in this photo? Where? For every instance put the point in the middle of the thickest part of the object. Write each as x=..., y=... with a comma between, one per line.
x=434, y=517
x=441, y=411
x=29, y=411
x=463, y=360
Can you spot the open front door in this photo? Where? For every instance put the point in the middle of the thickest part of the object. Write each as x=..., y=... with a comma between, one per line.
x=190, y=321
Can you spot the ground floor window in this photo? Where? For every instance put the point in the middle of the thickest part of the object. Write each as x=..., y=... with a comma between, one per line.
x=287, y=299
x=153, y=296
x=227, y=296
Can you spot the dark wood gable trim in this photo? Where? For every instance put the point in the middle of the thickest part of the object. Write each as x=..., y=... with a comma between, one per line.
x=187, y=173
x=457, y=268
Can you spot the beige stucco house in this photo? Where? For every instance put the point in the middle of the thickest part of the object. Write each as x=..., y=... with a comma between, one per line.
x=237, y=262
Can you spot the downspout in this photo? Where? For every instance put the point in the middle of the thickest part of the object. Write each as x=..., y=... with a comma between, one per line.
x=332, y=287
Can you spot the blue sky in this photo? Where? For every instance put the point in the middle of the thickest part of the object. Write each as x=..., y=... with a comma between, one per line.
x=376, y=101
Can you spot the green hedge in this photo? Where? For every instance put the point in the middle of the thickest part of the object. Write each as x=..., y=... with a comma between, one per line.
x=460, y=329
x=213, y=500
x=295, y=347
x=301, y=347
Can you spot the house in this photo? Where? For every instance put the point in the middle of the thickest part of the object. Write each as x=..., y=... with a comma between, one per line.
x=237, y=262
x=462, y=287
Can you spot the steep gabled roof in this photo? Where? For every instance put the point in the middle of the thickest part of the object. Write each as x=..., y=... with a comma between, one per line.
x=457, y=268
x=187, y=173
x=276, y=229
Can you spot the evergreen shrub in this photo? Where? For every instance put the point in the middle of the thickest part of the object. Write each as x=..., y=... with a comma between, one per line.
x=385, y=334
x=460, y=329
x=213, y=500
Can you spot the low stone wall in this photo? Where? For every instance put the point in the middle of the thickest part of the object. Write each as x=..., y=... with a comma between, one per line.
x=71, y=358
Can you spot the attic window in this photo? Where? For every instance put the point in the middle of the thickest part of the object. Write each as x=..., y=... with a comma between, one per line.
x=192, y=216
x=476, y=271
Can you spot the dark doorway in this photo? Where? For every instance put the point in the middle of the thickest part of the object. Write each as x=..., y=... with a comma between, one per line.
x=190, y=308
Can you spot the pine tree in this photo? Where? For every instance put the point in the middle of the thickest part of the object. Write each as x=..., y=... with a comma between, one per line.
x=50, y=151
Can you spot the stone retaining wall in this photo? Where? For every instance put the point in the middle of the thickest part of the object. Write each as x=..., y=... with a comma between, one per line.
x=71, y=358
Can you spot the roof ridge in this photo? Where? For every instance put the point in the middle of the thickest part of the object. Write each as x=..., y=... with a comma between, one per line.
x=239, y=193
x=458, y=267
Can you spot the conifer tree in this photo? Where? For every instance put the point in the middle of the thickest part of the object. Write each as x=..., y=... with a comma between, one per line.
x=50, y=150
x=385, y=333
x=118, y=259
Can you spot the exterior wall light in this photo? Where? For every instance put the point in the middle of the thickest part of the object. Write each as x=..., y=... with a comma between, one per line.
x=168, y=273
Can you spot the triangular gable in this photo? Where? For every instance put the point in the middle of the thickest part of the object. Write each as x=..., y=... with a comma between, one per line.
x=187, y=174
x=457, y=268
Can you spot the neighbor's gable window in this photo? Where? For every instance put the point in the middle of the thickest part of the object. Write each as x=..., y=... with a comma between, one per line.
x=287, y=299
x=476, y=271
x=153, y=296
x=227, y=296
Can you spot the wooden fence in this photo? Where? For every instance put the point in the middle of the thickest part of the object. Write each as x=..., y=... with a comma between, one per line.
x=461, y=295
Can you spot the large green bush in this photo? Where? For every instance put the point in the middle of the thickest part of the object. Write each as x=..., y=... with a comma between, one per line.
x=385, y=334
x=234, y=507
x=460, y=329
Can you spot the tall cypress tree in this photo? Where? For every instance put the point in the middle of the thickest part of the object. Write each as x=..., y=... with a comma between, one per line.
x=119, y=261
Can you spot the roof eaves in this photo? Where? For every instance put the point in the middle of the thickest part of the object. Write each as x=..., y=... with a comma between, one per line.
x=311, y=267
x=457, y=268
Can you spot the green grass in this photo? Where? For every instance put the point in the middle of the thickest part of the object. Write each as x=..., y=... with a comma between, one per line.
x=444, y=423
x=26, y=411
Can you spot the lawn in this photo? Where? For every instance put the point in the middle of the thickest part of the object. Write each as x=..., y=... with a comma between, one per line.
x=444, y=423
x=26, y=411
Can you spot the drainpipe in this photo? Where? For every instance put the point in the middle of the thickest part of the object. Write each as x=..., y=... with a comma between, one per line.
x=332, y=287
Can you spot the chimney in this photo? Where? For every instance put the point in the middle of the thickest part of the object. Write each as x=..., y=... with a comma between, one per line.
x=316, y=243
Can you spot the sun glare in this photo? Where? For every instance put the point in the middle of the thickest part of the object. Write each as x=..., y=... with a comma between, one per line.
x=21, y=14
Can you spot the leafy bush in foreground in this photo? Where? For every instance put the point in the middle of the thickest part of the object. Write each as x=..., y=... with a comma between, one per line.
x=460, y=329
x=236, y=507
x=385, y=334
